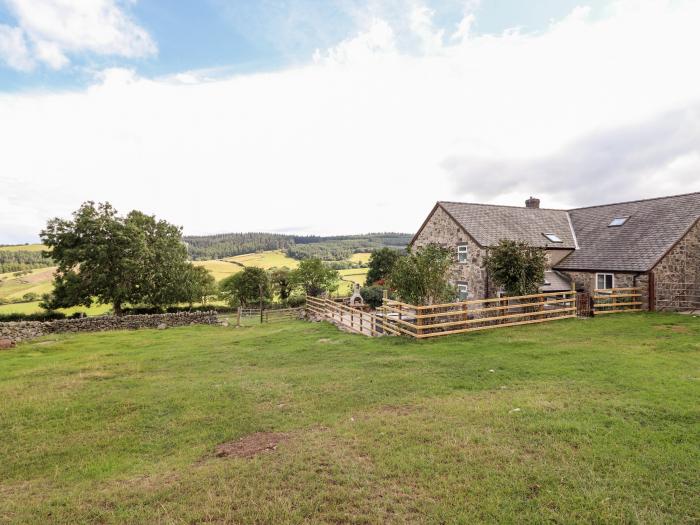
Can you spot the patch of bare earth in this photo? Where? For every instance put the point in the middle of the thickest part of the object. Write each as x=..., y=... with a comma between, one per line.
x=251, y=445
x=676, y=329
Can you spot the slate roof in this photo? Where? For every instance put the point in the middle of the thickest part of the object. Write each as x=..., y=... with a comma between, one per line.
x=488, y=224
x=653, y=227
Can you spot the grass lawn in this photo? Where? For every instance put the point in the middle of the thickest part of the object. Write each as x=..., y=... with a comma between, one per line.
x=591, y=421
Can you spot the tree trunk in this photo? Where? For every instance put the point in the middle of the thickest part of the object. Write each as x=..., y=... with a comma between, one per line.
x=117, y=309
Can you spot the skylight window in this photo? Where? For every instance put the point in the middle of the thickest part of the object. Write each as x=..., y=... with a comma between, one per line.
x=618, y=221
x=552, y=237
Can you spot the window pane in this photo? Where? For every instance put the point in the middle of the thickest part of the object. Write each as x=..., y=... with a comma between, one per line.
x=608, y=281
x=601, y=282
x=462, y=291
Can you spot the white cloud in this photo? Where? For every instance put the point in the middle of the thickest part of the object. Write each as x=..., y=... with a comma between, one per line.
x=54, y=29
x=13, y=48
x=367, y=137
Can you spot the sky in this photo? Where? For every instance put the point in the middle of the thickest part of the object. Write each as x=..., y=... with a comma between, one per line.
x=341, y=116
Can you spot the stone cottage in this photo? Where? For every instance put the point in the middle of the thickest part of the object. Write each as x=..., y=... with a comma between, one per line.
x=653, y=244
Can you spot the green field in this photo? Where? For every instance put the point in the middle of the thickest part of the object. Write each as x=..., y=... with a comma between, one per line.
x=219, y=269
x=23, y=248
x=349, y=276
x=575, y=421
x=35, y=281
x=40, y=281
x=266, y=260
x=360, y=257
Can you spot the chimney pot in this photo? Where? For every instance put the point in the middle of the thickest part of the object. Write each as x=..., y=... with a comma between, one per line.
x=532, y=202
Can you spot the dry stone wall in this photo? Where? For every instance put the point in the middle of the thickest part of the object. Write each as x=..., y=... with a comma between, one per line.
x=24, y=330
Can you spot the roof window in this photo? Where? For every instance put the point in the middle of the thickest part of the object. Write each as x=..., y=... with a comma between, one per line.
x=552, y=237
x=618, y=221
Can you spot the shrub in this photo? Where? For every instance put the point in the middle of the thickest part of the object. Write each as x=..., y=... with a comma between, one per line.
x=373, y=295
x=517, y=267
x=39, y=316
x=421, y=277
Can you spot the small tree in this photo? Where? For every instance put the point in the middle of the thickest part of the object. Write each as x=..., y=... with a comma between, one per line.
x=381, y=263
x=421, y=277
x=517, y=267
x=244, y=288
x=280, y=280
x=197, y=285
x=314, y=277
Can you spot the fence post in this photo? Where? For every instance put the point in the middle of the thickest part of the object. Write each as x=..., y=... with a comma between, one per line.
x=385, y=298
x=238, y=318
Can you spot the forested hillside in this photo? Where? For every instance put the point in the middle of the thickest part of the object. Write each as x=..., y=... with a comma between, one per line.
x=20, y=260
x=332, y=248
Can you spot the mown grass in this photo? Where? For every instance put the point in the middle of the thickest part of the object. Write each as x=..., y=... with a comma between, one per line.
x=593, y=421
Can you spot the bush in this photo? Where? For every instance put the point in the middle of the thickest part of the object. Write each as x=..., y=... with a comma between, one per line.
x=40, y=316
x=296, y=301
x=373, y=295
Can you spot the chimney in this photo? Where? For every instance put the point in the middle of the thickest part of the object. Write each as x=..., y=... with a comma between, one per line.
x=532, y=202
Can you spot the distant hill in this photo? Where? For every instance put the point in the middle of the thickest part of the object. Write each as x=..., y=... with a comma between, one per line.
x=22, y=257
x=331, y=248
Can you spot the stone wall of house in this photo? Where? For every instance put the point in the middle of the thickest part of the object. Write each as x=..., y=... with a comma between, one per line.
x=441, y=229
x=677, y=275
x=24, y=330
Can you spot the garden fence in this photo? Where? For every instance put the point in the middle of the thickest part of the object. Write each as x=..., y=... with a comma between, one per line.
x=617, y=300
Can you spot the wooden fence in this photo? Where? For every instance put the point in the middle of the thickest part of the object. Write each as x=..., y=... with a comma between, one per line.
x=617, y=300
x=469, y=316
x=365, y=323
x=249, y=316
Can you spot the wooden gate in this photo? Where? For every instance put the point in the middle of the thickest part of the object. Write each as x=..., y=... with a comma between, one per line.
x=583, y=305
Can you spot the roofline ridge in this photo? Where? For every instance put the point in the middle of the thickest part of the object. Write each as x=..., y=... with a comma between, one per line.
x=636, y=200
x=501, y=206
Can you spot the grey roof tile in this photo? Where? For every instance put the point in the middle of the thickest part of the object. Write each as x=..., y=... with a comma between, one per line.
x=488, y=224
x=653, y=227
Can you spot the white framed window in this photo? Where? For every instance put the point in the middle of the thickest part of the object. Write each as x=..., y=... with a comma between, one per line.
x=604, y=281
x=618, y=221
x=462, y=291
x=462, y=253
x=553, y=237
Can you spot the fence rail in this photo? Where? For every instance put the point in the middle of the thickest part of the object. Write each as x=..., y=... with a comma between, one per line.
x=437, y=320
x=358, y=321
x=617, y=300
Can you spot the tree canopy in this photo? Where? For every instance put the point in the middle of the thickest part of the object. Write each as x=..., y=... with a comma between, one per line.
x=246, y=287
x=117, y=260
x=381, y=263
x=517, y=267
x=420, y=277
x=314, y=277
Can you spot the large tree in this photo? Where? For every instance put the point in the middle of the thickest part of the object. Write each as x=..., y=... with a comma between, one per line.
x=381, y=263
x=314, y=277
x=420, y=277
x=246, y=287
x=115, y=260
x=517, y=267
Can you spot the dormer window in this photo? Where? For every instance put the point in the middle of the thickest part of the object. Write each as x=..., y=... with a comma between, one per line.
x=462, y=253
x=552, y=237
x=618, y=221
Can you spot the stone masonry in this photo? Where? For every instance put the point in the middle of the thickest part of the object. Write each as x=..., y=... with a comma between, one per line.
x=441, y=229
x=677, y=275
x=25, y=330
